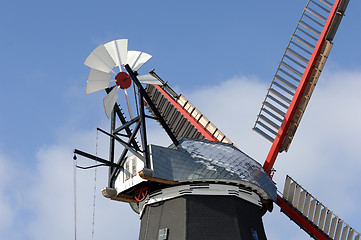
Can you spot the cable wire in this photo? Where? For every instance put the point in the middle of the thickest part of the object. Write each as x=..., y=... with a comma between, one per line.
x=95, y=185
x=74, y=178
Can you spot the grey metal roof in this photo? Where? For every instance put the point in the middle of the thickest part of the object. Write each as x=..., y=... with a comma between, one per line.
x=202, y=160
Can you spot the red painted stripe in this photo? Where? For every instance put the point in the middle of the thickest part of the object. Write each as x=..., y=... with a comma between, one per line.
x=273, y=153
x=187, y=115
x=296, y=217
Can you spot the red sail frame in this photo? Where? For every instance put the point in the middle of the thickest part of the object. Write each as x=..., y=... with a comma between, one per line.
x=273, y=153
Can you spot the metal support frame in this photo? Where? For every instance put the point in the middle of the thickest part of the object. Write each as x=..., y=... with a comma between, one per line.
x=125, y=144
x=125, y=126
x=130, y=145
x=98, y=159
x=127, y=147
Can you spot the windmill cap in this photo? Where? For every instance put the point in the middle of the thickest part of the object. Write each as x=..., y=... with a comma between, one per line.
x=208, y=161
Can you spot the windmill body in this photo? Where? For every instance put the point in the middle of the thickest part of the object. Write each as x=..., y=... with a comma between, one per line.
x=203, y=186
x=200, y=190
x=202, y=217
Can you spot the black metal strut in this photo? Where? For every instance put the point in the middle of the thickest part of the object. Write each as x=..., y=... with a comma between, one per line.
x=151, y=105
x=131, y=144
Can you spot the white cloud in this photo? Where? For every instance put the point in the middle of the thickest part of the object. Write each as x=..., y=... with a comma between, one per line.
x=37, y=202
x=53, y=202
x=233, y=106
x=6, y=209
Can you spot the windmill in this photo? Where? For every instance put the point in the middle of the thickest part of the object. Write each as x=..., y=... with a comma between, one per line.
x=221, y=192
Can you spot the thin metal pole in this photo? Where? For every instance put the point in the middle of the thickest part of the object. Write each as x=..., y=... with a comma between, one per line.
x=143, y=130
x=95, y=186
x=74, y=178
x=111, y=147
x=164, y=84
x=98, y=159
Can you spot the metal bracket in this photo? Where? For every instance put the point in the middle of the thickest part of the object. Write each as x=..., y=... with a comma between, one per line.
x=98, y=159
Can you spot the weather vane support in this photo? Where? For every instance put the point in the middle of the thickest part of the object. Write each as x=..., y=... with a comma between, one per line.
x=102, y=61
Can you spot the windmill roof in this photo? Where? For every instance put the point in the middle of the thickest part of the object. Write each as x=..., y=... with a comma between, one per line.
x=201, y=160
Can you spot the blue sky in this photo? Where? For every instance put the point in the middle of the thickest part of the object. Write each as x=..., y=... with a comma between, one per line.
x=220, y=55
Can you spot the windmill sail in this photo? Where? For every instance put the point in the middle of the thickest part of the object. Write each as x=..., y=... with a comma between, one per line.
x=315, y=213
x=298, y=71
x=182, y=117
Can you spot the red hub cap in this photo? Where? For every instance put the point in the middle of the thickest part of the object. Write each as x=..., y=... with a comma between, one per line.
x=123, y=80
